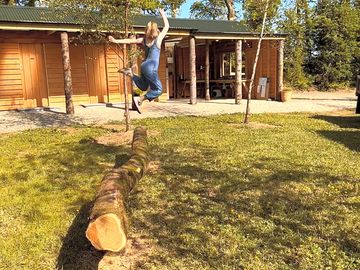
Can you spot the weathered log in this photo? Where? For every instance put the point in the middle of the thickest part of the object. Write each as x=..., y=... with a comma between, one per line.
x=108, y=225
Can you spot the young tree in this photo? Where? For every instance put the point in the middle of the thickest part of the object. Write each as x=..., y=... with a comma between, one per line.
x=246, y=119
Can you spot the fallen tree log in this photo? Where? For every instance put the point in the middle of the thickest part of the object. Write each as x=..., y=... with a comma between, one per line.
x=108, y=225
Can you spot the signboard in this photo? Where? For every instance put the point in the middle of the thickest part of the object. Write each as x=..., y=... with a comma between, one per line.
x=263, y=88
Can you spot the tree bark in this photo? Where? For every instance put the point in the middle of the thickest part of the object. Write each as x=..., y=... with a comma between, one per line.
x=280, y=71
x=108, y=225
x=192, y=71
x=231, y=10
x=247, y=113
x=238, y=82
x=207, y=71
x=67, y=73
x=126, y=94
x=134, y=68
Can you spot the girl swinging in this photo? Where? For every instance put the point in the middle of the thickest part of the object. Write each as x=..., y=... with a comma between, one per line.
x=149, y=77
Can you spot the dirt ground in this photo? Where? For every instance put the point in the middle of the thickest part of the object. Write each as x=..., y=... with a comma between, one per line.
x=312, y=101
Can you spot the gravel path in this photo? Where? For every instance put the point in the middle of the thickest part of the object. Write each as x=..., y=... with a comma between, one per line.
x=11, y=121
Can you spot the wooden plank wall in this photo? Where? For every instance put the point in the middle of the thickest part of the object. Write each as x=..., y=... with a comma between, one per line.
x=267, y=65
x=162, y=73
x=115, y=82
x=31, y=71
x=55, y=74
x=11, y=76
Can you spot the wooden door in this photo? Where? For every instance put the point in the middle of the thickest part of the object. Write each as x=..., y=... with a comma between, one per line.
x=79, y=74
x=96, y=73
x=33, y=66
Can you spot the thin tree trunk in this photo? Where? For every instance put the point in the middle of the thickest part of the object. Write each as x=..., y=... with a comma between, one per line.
x=67, y=72
x=238, y=82
x=192, y=71
x=174, y=11
x=134, y=69
x=231, y=11
x=246, y=120
x=126, y=94
x=207, y=71
x=108, y=225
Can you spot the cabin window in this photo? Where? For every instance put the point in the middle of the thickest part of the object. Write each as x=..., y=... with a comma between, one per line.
x=228, y=65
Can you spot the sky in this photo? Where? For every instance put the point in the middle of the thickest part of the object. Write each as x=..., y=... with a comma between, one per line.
x=185, y=9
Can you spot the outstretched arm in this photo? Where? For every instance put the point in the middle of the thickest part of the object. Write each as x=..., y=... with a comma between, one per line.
x=164, y=30
x=126, y=40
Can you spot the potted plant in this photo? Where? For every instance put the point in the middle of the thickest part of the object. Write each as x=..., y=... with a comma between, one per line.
x=286, y=94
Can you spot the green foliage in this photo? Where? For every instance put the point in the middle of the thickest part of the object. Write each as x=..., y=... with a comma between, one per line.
x=296, y=22
x=336, y=43
x=209, y=9
x=173, y=6
x=254, y=13
x=219, y=195
x=323, y=44
x=99, y=18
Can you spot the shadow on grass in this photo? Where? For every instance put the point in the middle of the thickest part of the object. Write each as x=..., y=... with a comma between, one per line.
x=350, y=134
x=215, y=216
x=341, y=121
x=76, y=251
x=350, y=139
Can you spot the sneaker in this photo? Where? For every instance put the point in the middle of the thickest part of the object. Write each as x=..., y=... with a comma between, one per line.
x=126, y=71
x=137, y=102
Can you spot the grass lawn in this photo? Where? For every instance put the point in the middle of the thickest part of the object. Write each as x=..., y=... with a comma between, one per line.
x=281, y=194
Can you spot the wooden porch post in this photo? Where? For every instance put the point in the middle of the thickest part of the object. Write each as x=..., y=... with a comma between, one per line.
x=238, y=82
x=192, y=70
x=280, y=71
x=207, y=71
x=67, y=72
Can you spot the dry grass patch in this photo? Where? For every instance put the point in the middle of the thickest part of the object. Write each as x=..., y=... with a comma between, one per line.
x=120, y=137
x=136, y=253
x=253, y=125
x=116, y=138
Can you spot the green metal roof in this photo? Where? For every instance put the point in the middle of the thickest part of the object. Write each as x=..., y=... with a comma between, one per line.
x=203, y=26
x=16, y=14
x=32, y=15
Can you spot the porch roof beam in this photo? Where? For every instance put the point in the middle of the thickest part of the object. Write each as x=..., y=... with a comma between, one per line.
x=235, y=37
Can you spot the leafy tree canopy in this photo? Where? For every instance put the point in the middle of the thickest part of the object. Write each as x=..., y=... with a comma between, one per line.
x=209, y=9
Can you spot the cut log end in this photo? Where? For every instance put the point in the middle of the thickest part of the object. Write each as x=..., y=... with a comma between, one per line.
x=106, y=233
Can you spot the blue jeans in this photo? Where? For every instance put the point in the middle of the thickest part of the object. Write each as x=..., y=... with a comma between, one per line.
x=149, y=78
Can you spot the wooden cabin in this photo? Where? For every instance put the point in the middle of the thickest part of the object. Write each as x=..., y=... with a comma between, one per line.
x=219, y=53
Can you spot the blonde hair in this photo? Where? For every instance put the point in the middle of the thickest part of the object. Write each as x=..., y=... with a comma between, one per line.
x=151, y=30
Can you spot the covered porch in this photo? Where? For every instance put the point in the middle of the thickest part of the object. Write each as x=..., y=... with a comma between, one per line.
x=218, y=66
